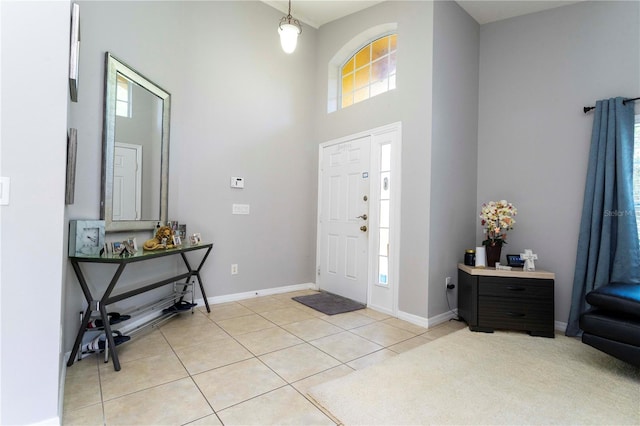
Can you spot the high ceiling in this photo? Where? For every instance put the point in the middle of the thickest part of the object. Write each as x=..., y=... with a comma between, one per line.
x=318, y=12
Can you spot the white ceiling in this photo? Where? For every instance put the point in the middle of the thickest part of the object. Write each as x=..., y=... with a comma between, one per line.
x=318, y=12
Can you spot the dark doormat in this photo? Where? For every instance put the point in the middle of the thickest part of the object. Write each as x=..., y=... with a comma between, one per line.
x=329, y=304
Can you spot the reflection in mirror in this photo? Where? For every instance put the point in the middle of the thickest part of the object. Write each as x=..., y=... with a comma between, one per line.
x=135, y=150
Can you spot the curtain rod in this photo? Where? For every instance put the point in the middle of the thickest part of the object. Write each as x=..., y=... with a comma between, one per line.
x=587, y=109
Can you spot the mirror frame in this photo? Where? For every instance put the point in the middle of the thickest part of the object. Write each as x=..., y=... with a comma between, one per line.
x=113, y=66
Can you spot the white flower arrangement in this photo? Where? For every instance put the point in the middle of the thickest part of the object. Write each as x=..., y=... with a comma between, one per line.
x=497, y=219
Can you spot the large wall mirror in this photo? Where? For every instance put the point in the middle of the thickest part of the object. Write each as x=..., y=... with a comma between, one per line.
x=135, y=169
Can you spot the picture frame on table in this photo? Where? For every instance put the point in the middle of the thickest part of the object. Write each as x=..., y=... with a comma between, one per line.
x=182, y=230
x=195, y=239
x=133, y=243
x=177, y=241
x=74, y=52
x=116, y=247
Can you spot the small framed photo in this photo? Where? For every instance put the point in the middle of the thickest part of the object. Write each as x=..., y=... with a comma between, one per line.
x=177, y=241
x=133, y=244
x=127, y=248
x=116, y=247
x=195, y=238
x=182, y=230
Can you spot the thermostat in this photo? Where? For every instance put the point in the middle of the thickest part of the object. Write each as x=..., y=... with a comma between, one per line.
x=237, y=182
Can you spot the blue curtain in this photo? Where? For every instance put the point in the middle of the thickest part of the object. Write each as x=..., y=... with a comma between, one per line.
x=608, y=247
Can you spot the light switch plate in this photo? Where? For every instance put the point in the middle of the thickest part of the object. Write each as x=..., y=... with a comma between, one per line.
x=240, y=209
x=5, y=187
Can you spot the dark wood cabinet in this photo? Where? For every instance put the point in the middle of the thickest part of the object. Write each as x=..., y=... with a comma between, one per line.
x=490, y=299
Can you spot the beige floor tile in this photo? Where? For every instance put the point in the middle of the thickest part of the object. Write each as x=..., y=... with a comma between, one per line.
x=286, y=316
x=207, y=356
x=263, y=304
x=348, y=320
x=304, y=385
x=82, y=389
x=290, y=295
x=312, y=329
x=297, y=362
x=415, y=329
x=410, y=344
x=87, y=416
x=284, y=406
x=245, y=324
x=186, y=319
x=371, y=359
x=173, y=403
x=232, y=384
x=188, y=336
x=141, y=346
x=372, y=313
x=383, y=334
x=140, y=374
x=211, y=420
x=268, y=340
x=346, y=346
x=308, y=310
x=226, y=311
x=85, y=365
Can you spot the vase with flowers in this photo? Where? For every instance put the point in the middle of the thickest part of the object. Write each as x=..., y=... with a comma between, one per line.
x=497, y=217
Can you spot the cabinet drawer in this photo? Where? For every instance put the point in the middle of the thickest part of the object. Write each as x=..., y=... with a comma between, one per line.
x=516, y=314
x=519, y=288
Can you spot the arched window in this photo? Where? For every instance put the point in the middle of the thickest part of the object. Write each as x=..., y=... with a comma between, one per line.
x=370, y=71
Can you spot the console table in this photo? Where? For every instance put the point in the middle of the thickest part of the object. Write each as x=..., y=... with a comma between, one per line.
x=491, y=299
x=98, y=304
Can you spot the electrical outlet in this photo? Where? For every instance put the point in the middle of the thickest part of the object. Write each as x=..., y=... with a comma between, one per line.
x=448, y=284
x=234, y=269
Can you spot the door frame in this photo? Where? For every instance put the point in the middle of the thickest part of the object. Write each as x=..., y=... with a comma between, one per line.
x=395, y=203
x=138, y=185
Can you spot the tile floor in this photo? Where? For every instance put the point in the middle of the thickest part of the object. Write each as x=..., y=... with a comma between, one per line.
x=246, y=362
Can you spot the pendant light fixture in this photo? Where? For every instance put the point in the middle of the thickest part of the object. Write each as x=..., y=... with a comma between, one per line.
x=289, y=29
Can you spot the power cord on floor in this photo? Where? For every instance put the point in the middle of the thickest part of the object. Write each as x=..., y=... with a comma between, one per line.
x=457, y=318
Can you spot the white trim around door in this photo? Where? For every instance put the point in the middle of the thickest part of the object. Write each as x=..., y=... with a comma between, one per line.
x=384, y=178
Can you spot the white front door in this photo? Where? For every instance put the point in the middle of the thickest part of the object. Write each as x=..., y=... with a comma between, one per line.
x=344, y=210
x=127, y=181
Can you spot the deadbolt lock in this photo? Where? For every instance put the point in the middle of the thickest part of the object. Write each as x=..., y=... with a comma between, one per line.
x=363, y=228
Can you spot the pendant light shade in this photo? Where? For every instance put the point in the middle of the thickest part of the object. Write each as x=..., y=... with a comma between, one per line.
x=289, y=29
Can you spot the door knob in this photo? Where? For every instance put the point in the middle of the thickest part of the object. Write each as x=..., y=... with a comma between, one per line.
x=363, y=228
x=363, y=217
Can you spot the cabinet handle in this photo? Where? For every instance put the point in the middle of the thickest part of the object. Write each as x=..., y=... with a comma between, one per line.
x=515, y=314
x=515, y=288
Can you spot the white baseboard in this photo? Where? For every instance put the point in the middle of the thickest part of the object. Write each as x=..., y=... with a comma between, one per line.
x=427, y=322
x=52, y=421
x=560, y=326
x=256, y=293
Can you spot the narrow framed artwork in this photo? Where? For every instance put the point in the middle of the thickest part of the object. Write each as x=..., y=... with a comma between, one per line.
x=74, y=52
x=72, y=148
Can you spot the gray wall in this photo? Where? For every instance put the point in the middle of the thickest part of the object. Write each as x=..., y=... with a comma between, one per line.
x=454, y=149
x=35, y=64
x=410, y=103
x=437, y=102
x=536, y=74
x=240, y=107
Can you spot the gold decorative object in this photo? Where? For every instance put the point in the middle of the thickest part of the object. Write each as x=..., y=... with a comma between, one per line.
x=162, y=240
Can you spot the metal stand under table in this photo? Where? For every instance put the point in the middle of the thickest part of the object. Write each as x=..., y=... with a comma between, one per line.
x=99, y=304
